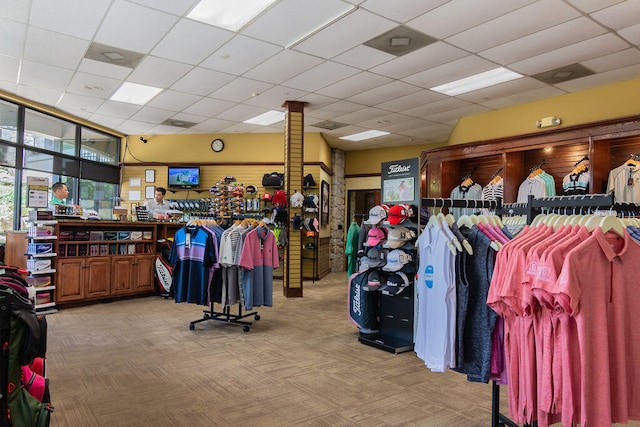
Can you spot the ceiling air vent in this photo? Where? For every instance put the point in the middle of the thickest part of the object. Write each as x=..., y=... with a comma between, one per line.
x=400, y=41
x=563, y=74
x=113, y=55
x=178, y=123
x=329, y=125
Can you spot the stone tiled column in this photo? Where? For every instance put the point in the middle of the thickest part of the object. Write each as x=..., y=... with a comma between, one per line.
x=293, y=177
x=338, y=212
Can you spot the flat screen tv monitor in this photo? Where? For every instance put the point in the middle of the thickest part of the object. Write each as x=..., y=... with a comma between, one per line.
x=184, y=177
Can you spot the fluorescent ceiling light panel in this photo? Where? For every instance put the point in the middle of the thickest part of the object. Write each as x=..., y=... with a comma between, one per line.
x=266, y=119
x=360, y=136
x=231, y=15
x=134, y=93
x=478, y=81
x=347, y=10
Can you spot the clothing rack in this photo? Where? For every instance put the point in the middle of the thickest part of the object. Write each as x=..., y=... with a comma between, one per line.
x=460, y=203
x=226, y=316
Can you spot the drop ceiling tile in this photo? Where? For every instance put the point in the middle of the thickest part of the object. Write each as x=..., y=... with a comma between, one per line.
x=523, y=84
x=75, y=103
x=519, y=23
x=578, y=52
x=44, y=95
x=82, y=82
x=365, y=114
x=451, y=71
x=158, y=72
x=522, y=98
x=77, y=18
x=454, y=115
x=632, y=34
x=434, y=132
x=8, y=86
x=401, y=10
x=44, y=76
x=283, y=66
x=243, y=128
x=9, y=67
x=347, y=33
x=241, y=89
x=191, y=42
x=152, y=115
x=543, y=41
x=118, y=109
x=428, y=57
x=589, y=6
x=240, y=113
x=412, y=124
x=103, y=69
x=325, y=74
x=290, y=20
x=133, y=27
x=447, y=104
x=315, y=100
x=201, y=81
x=193, y=118
x=274, y=97
x=13, y=35
x=108, y=121
x=363, y=57
x=133, y=127
x=212, y=125
x=412, y=100
x=173, y=100
x=208, y=107
x=605, y=78
x=353, y=85
x=619, y=16
x=386, y=121
x=239, y=55
x=344, y=107
x=54, y=49
x=384, y=93
x=175, y=7
x=15, y=10
x=621, y=59
x=450, y=18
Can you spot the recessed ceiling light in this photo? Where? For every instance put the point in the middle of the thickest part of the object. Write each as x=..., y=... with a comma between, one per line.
x=231, y=15
x=478, y=81
x=134, y=93
x=360, y=136
x=266, y=119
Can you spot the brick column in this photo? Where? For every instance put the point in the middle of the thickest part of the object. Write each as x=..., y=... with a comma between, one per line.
x=293, y=177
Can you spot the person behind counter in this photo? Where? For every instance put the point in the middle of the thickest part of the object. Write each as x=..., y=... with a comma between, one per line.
x=157, y=204
x=60, y=193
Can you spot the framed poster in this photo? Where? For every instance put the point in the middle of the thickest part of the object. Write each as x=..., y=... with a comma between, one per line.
x=149, y=175
x=324, y=202
x=149, y=192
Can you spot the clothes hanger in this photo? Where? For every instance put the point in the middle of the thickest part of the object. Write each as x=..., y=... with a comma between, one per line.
x=464, y=220
x=538, y=219
x=612, y=223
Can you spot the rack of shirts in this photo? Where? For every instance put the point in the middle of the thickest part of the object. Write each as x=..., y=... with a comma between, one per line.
x=624, y=180
x=468, y=189
x=538, y=184
x=577, y=181
x=567, y=293
x=227, y=266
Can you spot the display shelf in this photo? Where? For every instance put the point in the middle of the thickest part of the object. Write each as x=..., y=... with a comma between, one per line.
x=48, y=255
x=40, y=272
x=34, y=245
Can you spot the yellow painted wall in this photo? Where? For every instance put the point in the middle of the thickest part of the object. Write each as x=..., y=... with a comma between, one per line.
x=196, y=148
x=368, y=161
x=601, y=103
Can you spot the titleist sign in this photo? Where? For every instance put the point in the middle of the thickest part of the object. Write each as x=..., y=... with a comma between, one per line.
x=395, y=168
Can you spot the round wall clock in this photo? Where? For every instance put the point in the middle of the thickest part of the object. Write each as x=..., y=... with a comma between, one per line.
x=217, y=145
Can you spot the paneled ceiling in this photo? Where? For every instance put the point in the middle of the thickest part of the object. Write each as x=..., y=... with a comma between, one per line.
x=52, y=52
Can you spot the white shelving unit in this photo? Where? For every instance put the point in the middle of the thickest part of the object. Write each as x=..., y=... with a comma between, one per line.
x=45, y=289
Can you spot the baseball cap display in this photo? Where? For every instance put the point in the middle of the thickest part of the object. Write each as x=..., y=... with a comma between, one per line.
x=377, y=214
x=373, y=280
x=250, y=189
x=376, y=257
x=297, y=222
x=397, y=237
x=311, y=203
x=399, y=213
x=266, y=196
x=297, y=199
x=376, y=236
x=396, y=259
x=395, y=284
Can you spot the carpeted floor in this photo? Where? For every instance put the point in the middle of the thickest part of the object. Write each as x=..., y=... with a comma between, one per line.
x=136, y=363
